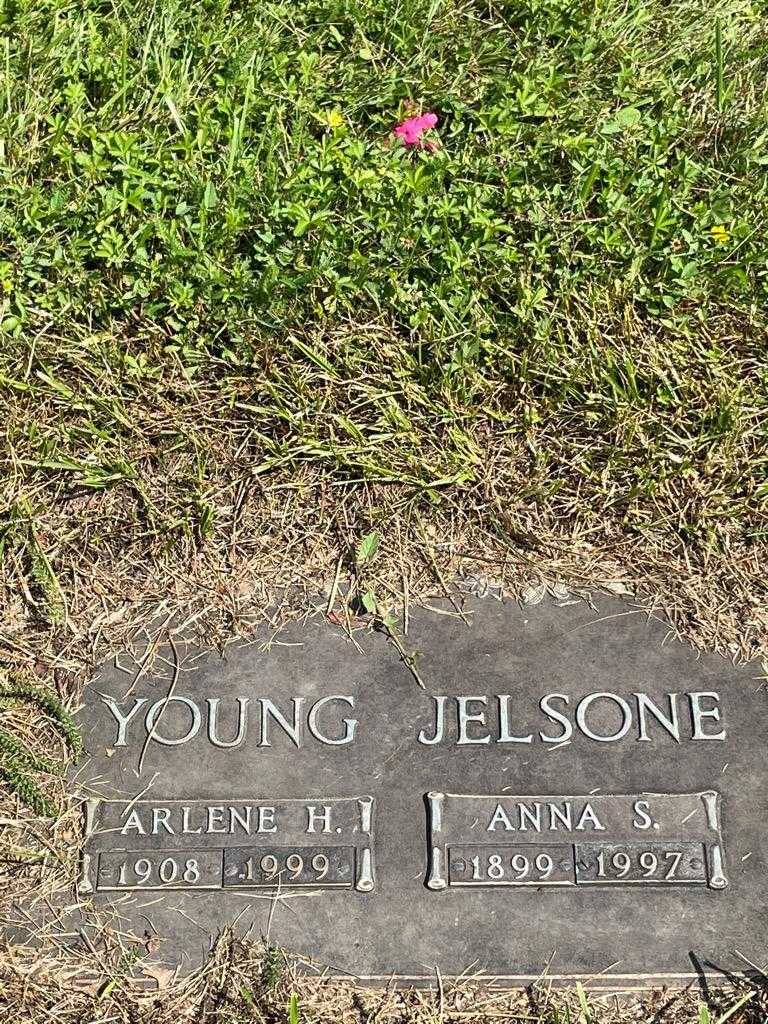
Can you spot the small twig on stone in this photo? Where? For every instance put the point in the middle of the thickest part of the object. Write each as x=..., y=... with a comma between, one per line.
x=171, y=688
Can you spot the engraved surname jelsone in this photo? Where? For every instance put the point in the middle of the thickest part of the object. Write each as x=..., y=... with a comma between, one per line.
x=481, y=718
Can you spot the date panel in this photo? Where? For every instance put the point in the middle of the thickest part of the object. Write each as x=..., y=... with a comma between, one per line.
x=649, y=863
x=514, y=865
x=164, y=869
x=563, y=840
x=272, y=867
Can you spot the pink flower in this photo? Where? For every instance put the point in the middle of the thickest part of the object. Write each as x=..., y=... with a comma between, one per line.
x=411, y=130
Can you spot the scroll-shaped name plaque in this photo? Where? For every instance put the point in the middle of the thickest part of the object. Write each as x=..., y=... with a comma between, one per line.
x=561, y=841
x=236, y=844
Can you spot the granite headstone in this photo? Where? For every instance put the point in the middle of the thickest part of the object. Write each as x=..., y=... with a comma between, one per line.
x=568, y=790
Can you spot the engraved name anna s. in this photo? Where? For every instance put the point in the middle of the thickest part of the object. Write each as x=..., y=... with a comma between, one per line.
x=457, y=720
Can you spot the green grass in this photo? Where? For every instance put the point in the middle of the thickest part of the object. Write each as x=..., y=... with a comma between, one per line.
x=237, y=320
x=215, y=263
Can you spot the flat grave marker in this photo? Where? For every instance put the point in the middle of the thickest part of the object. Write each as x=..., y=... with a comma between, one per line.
x=571, y=789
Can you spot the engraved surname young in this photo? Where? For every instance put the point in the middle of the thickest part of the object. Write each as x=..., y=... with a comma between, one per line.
x=322, y=720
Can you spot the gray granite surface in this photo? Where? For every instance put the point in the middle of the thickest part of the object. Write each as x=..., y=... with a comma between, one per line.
x=422, y=819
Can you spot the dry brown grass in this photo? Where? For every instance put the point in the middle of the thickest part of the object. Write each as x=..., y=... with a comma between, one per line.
x=186, y=503
x=244, y=981
x=86, y=568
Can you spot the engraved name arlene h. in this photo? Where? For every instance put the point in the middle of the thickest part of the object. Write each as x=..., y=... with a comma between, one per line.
x=458, y=720
x=235, y=844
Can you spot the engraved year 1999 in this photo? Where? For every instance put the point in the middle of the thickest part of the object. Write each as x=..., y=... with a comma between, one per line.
x=294, y=867
x=278, y=867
